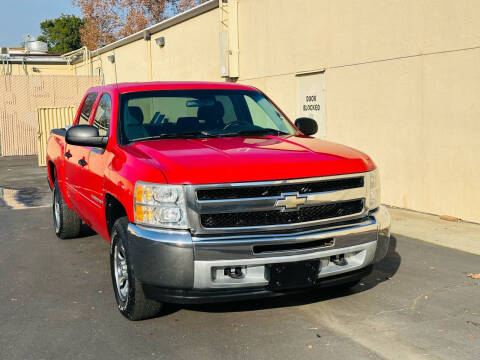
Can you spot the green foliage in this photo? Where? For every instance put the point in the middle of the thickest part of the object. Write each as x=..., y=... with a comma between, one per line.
x=62, y=34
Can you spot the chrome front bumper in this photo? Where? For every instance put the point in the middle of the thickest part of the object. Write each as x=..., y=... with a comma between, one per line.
x=176, y=260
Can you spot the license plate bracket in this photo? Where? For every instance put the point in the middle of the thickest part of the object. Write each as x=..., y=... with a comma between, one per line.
x=293, y=275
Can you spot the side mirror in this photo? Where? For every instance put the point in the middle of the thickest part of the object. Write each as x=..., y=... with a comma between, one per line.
x=85, y=135
x=307, y=126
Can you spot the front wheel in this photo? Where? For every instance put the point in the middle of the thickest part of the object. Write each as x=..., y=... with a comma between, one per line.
x=129, y=294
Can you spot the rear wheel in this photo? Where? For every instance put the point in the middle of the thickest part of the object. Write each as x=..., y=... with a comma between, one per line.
x=67, y=223
x=129, y=294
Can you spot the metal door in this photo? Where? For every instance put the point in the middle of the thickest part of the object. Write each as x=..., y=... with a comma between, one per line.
x=311, y=99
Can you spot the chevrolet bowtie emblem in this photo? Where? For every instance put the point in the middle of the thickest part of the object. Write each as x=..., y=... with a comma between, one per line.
x=290, y=201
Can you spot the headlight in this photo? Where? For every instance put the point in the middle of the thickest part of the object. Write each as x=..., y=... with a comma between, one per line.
x=160, y=205
x=373, y=179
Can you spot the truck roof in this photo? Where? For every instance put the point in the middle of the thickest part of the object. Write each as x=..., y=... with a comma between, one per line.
x=170, y=85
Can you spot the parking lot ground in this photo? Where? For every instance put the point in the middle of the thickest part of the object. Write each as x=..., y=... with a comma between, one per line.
x=57, y=302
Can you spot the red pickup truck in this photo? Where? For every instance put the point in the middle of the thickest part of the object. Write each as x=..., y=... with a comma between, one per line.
x=207, y=192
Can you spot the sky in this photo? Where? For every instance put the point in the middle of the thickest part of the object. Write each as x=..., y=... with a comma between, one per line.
x=21, y=17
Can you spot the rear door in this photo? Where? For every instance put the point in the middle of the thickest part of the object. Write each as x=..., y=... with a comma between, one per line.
x=76, y=157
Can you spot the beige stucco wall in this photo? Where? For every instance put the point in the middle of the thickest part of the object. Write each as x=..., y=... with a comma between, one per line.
x=191, y=50
x=44, y=69
x=419, y=120
x=402, y=81
x=191, y=53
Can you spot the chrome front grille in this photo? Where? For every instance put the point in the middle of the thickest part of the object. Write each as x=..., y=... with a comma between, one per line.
x=278, y=217
x=277, y=190
x=272, y=205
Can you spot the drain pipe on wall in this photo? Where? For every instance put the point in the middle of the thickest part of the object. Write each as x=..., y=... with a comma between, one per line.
x=148, y=40
x=86, y=58
x=24, y=66
x=100, y=71
x=6, y=66
x=229, y=46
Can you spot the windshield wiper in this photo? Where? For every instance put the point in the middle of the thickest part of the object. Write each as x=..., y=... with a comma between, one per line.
x=196, y=134
x=266, y=131
x=185, y=135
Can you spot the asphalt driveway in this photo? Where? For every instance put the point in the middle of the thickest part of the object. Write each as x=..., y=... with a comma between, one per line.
x=57, y=301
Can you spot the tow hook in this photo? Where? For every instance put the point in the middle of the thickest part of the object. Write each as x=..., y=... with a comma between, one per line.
x=339, y=260
x=234, y=273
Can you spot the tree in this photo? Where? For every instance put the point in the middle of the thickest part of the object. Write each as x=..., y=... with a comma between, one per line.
x=184, y=5
x=61, y=34
x=110, y=20
x=101, y=22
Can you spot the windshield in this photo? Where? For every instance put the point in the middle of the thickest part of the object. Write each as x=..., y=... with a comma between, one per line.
x=198, y=113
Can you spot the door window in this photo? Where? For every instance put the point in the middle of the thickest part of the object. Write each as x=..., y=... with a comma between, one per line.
x=263, y=114
x=102, y=115
x=87, y=109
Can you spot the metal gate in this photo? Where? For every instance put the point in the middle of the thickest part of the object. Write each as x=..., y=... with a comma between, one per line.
x=48, y=119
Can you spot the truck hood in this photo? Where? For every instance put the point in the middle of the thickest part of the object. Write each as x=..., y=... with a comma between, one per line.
x=240, y=159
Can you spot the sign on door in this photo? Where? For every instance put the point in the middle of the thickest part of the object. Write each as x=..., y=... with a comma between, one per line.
x=311, y=99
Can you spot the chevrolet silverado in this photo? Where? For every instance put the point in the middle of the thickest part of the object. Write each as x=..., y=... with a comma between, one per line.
x=207, y=192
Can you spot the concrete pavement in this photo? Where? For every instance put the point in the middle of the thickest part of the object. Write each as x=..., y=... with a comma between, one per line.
x=456, y=235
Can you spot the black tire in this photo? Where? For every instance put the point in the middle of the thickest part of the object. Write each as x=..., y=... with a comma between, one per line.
x=131, y=300
x=67, y=224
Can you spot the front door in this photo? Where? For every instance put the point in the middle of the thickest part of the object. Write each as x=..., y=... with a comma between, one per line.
x=97, y=161
x=76, y=158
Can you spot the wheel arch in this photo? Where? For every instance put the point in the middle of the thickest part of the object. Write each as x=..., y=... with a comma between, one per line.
x=51, y=173
x=114, y=210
